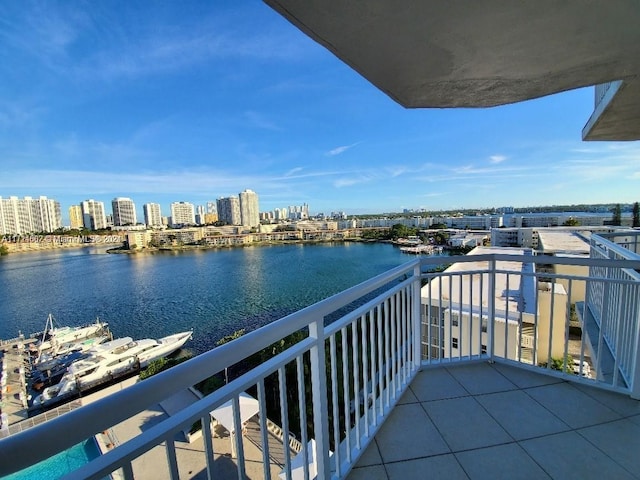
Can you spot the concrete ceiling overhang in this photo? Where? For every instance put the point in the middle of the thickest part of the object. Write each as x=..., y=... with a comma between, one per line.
x=475, y=53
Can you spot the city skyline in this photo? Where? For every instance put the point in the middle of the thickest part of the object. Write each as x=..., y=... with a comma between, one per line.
x=199, y=101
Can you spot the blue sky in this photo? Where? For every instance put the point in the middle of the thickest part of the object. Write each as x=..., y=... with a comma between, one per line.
x=191, y=101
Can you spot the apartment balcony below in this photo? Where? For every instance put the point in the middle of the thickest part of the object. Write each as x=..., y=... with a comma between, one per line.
x=491, y=420
x=616, y=114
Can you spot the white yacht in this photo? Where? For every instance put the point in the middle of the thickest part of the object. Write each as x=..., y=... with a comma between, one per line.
x=109, y=361
x=54, y=338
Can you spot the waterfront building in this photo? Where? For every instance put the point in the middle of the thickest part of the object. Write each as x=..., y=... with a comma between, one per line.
x=153, y=215
x=182, y=214
x=124, y=212
x=200, y=215
x=137, y=239
x=528, y=237
x=75, y=217
x=20, y=216
x=93, y=215
x=229, y=210
x=249, y=208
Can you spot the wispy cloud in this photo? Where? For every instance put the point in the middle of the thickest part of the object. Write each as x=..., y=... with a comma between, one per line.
x=340, y=150
x=497, y=159
x=293, y=171
x=350, y=181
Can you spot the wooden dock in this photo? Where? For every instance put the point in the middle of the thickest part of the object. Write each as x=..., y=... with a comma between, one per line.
x=13, y=385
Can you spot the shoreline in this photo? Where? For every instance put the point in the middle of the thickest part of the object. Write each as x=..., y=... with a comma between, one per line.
x=187, y=248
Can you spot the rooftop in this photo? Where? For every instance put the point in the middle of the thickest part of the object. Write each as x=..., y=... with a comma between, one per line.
x=473, y=289
x=562, y=242
x=484, y=420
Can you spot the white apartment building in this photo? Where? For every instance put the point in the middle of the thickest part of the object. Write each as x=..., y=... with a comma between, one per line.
x=124, y=211
x=152, y=215
x=93, y=216
x=514, y=237
x=75, y=216
x=229, y=210
x=249, y=209
x=29, y=215
x=183, y=213
x=451, y=328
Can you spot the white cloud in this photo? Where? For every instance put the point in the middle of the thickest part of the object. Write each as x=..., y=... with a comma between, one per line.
x=341, y=149
x=293, y=171
x=497, y=158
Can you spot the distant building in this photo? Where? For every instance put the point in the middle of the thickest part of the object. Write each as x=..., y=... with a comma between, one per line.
x=29, y=215
x=93, y=216
x=182, y=213
x=75, y=217
x=229, y=210
x=124, y=211
x=152, y=215
x=249, y=209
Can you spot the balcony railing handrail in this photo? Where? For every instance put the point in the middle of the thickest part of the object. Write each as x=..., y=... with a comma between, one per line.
x=106, y=412
x=535, y=259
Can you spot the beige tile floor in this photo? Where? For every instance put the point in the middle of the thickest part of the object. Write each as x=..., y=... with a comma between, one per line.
x=490, y=421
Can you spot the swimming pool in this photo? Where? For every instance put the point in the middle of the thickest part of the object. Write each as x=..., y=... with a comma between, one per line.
x=60, y=464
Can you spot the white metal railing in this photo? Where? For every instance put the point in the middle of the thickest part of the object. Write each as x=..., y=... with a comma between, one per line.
x=312, y=386
x=614, y=306
x=532, y=311
x=341, y=365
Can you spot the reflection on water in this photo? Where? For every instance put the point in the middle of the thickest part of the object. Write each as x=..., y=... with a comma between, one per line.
x=151, y=295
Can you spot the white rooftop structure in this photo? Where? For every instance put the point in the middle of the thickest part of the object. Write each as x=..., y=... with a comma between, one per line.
x=562, y=242
x=514, y=289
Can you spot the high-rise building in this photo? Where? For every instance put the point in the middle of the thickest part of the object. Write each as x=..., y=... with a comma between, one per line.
x=152, y=214
x=75, y=216
x=124, y=211
x=93, y=216
x=29, y=215
x=229, y=210
x=249, y=210
x=182, y=213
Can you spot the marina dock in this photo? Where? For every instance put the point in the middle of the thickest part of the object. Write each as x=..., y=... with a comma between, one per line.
x=13, y=386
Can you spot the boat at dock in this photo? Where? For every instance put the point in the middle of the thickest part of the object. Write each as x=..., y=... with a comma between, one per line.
x=54, y=340
x=422, y=249
x=107, y=362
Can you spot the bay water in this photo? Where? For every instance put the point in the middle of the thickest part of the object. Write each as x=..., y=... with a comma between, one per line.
x=150, y=295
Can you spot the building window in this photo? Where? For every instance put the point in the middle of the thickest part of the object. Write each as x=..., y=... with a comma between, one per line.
x=454, y=322
x=483, y=349
x=484, y=326
x=454, y=343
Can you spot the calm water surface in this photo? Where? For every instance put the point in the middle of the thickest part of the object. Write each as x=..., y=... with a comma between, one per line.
x=213, y=292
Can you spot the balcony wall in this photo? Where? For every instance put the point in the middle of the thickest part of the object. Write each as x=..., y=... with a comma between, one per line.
x=336, y=370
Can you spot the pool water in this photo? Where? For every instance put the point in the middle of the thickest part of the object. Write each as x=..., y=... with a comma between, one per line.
x=60, y=464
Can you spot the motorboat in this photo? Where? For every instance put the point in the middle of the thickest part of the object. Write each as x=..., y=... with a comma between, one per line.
x=50, y=360
x=53, y=338
x=109, y=361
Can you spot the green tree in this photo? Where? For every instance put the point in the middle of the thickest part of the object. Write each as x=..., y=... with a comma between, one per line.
x=571, y=222
x=636, y=214
x=617, y=215
x=401, y=231
x=4, y=250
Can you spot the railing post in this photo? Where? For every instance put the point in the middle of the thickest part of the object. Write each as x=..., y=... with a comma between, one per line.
x=635, y=333
x=319, y=396
x=492, y=309
x=416, y=314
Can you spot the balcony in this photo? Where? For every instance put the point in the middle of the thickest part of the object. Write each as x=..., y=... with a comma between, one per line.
x=369, y=384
